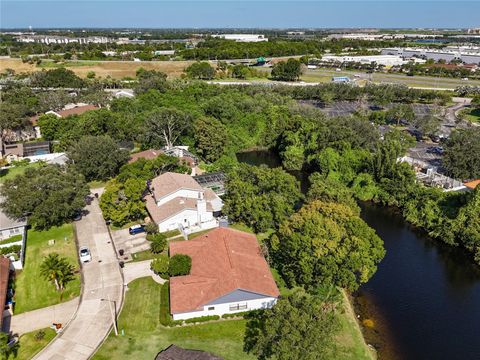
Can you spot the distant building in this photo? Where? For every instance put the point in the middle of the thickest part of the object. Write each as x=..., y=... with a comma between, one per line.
x=385, y=60
x=229, y=274
x=242, y=37
x=466, y=55
x=164, y=52
x=55, y=39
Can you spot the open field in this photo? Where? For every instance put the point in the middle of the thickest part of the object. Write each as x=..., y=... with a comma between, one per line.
x=32, y=291
x=29, y=346
x=144, y=337
x=115, y=69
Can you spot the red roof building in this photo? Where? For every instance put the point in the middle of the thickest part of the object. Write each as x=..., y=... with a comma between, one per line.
x=229, y=274
x=4, y=276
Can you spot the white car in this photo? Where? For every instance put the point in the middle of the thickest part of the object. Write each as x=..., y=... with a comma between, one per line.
x=85, y=254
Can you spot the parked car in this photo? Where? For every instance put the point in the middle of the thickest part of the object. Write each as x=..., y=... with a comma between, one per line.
x=85, y=254
x=136, y=229
x=78, y=215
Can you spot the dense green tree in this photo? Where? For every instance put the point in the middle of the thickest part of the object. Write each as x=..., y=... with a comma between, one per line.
x=56, y=78
x=50, y=126
x=260, y=197
x=164, y=126
x=53, y=100
x=158, y=242
x=58, y=270
x=400, y=113
x=97, y=157
x=12, y=117
x=240, y=71
x=289, y=70
x=121, y=202
x=210, y=138
x=49, y=195
x=143, y=169
x=330, y=190
x=200, y=70
x=462, y=154
x=160, y=264
x=467, y=224
x=179, y=264
x=299, y=326
x=326, y=244
x=427, y=125
x=150, y=79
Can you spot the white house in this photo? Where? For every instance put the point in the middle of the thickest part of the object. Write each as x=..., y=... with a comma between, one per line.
x=8, y=229
x=228, y=275
x=179, y=202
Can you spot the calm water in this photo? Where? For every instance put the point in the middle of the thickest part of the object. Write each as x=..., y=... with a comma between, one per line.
x=426, y=294
x=424, y=298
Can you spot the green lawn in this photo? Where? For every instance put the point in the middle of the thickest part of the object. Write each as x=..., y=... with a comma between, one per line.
x=32, y=291
x=145, y=337
x=144, y=255
x=16, y=170
x=29, y=346
x=472, y=115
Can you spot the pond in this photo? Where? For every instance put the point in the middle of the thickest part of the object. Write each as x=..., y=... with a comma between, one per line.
x=424, y=300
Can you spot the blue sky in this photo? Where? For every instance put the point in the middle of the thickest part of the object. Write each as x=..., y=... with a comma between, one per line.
x=243, y=13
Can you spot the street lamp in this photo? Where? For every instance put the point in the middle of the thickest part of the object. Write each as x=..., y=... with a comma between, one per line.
x=113, y=312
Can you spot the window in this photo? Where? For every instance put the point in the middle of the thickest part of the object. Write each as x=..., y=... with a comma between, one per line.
x=210, y=308
x=236, y=307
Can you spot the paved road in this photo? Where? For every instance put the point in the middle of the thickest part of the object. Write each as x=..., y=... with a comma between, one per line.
x=102, y=280
x=42, y=318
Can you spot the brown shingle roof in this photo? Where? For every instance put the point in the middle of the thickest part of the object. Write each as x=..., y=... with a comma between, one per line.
x=169, y=182
x=4, y=275
x=78, y=110
x=223, y=260
x=149, y=154
x=174, y=352
x=472, y=184
x=170, y=208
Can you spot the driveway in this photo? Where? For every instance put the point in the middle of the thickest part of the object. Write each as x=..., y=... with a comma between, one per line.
x=42, y=318
x=136, y=270
x=130, y=244
x=102, y=281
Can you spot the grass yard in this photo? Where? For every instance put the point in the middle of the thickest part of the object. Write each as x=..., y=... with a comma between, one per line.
x=472, y=115
x=10, y=173
x=32, y=291
x=145, y=337
x=29, y=346
x=144, y=255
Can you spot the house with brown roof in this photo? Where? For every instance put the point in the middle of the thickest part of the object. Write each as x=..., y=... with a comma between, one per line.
x=149, y=154
x=4, y=276
x=471, y=185
x=229, y=274
x=177, y=201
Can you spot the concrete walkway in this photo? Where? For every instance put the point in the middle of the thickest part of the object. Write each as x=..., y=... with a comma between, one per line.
x=42, y=318
x=102, y=294
x=136, y=270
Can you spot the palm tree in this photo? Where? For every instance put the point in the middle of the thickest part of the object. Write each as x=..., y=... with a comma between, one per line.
x=58, y=270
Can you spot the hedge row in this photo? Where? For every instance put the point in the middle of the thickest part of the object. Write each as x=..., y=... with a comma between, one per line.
x=229, y=316
x=202, y=319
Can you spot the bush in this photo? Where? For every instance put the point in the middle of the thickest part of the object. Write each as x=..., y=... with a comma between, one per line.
x=10, y=249
x=165, y=317
x=180, y=264
x=202, y=319
x=158, y=242
x=160, y=265
x=229, y=316
x=151, y=228
x=40, y=335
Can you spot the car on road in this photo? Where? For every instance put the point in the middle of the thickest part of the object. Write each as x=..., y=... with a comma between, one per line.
x=136, y=229
x=85, y=255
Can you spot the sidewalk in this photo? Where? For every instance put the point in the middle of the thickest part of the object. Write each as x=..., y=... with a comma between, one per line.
x=42, y=318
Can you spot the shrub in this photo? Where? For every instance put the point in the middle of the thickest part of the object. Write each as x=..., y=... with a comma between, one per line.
x=40, y=335
x=160, y=265
x=158, y=242
x=165, y=317
x=180, y=264
x=151, y=228
x=229, y=316
x=202, y=319
x=10, y=249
